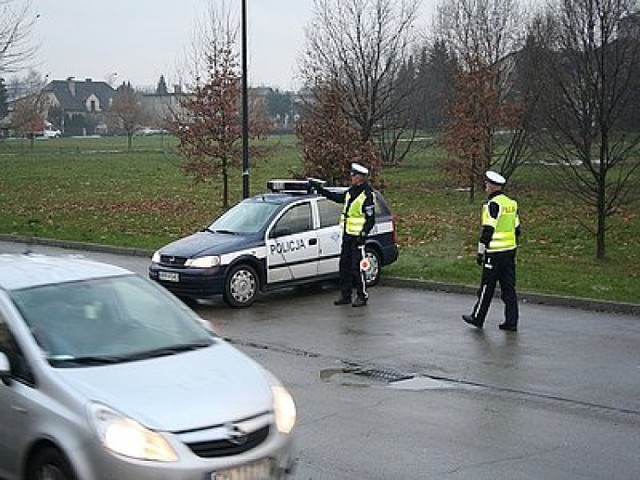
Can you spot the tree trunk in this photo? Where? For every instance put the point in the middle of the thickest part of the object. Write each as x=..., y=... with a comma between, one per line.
x=602, y=220
x=225, y=184
x=472, y=188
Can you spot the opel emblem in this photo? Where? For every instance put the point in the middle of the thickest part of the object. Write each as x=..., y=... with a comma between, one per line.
x=235, y=435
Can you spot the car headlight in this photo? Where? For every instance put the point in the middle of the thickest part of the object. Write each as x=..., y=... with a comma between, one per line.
x=284, y=409
x=127, y=437
x=203, y=262
x=156, y=257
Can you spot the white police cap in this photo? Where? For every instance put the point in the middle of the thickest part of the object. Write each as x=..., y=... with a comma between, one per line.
x=357, y=168
x=494, y=177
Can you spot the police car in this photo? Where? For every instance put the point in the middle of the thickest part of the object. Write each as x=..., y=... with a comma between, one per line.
x=287, y=237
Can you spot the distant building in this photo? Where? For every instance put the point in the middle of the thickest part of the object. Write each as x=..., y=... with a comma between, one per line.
x=78, y=107
x=161, y=106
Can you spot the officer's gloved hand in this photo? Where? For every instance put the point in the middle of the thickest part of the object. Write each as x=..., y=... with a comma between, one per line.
x=481, y=251
x=362, y=239
x=314, y=182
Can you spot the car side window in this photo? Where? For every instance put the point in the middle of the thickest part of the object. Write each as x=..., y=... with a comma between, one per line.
x=296, y=220
x=8, y=345
x=380, y=205
x=329, y=213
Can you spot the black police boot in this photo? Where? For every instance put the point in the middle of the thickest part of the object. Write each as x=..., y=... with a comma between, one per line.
x=471, y=320
x=360, y=301
x=507, y=327
x=342, y=300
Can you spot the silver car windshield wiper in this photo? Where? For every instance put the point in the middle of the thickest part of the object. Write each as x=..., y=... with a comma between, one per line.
x=69, y=361
x=223, y=231
x=170, y=350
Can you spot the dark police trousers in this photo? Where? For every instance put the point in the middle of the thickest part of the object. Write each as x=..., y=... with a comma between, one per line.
x=350, y=274
x=498, y=267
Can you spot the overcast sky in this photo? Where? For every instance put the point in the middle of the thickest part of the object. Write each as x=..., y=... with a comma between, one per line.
x=139, y=40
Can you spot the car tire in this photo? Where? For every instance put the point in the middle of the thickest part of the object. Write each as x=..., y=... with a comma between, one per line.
x=372, y=275
x=49, y=464
x=241, y=286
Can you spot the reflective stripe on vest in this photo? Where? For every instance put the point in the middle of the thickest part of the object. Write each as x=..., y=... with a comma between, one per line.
x=504, y=227
x=355, y=216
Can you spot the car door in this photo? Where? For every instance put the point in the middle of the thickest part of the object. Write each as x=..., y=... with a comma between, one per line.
x=292, y=245
x=17, y=411
x=329, y=236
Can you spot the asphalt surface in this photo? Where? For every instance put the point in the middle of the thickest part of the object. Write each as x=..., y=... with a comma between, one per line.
x=404, y=389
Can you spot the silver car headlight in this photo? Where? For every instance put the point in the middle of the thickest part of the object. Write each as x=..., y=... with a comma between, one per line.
x=203, y=262
x=284, y=409
x=156, y=257
x=125, y=436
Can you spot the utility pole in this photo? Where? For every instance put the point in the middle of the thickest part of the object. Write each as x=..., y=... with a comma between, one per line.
x=245, y=106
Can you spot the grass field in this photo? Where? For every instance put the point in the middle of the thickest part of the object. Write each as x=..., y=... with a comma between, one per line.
x=93, y=189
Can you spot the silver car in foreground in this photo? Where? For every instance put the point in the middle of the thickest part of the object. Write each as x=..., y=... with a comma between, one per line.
x=105, y=375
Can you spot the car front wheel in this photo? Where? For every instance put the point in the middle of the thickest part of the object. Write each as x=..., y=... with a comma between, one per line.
x=241, y=286
x=49, y=464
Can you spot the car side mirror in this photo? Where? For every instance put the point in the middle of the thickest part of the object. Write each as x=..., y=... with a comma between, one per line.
x=5, y=369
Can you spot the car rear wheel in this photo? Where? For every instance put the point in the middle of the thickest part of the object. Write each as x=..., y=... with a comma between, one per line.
x=241, y=286
x=372, y=274
x=49, y=464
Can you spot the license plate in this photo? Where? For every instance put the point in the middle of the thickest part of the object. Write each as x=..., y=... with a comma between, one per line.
x=260, y=470
x=169, y=276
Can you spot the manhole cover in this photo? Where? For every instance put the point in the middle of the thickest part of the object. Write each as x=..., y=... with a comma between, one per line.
x=382, y=374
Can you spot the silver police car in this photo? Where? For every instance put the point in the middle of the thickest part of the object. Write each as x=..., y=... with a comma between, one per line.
x=105, y=375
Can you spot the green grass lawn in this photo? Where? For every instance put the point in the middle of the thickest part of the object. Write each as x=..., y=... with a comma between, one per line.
x=94, y=190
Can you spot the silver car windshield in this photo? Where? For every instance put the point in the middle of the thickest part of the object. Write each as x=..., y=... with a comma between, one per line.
x=108, y=320
x=246, y=217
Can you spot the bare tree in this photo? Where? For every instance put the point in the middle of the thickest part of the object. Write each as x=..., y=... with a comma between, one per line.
x=330, y=142
x=127, y=112
x=208, y=123
x=470, y=133
x=592, y=74
x=31, y=105
x=485, y=36
x=16, y=26
x=358, y=49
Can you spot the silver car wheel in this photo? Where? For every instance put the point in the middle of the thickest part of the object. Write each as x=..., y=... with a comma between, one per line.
x=49, y=464
x=51, y=472
x=372, y=274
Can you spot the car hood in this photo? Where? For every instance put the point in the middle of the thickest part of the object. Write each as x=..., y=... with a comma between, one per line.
x=186, y=391
x=207, y=243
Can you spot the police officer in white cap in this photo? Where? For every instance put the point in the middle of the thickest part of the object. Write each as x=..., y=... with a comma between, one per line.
x=497, y=254
x=357, y=220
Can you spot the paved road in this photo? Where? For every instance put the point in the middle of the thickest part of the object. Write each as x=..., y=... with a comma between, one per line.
x=404, y=389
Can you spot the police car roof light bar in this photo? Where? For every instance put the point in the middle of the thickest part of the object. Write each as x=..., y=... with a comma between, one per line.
x=288, y=186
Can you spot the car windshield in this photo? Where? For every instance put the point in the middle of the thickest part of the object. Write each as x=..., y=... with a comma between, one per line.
x=249, y=216
x=108, y=320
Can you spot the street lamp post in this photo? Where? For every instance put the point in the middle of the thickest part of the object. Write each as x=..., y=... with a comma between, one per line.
x=245, y=106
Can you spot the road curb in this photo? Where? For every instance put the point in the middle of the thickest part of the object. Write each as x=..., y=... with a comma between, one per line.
x=543, y=299
x=526, y=297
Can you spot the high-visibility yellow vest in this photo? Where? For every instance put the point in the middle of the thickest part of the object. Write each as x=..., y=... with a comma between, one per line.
x=504, y=227
x=355, y=215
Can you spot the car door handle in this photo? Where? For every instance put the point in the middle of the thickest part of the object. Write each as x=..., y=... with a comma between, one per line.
x=313, y=241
